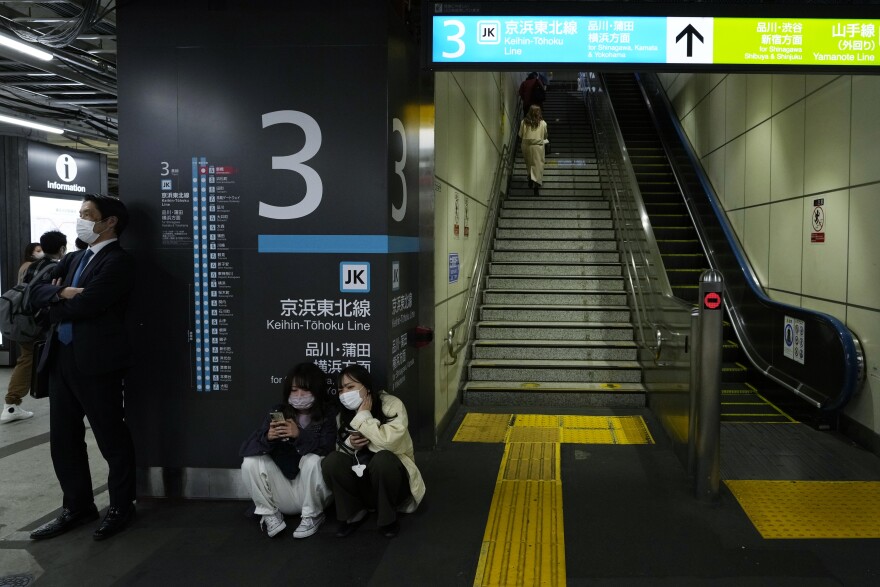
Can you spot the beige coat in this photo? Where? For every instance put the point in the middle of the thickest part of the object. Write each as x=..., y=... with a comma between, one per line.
x=393, y=436
x=533, y=140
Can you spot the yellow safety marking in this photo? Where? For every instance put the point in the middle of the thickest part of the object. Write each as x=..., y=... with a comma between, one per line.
x=811, y=509
x=524, y=541
x=530, y=386
x=610, y=386
x=483, y=428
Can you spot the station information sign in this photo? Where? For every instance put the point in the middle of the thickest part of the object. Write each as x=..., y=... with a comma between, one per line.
x=655, y=40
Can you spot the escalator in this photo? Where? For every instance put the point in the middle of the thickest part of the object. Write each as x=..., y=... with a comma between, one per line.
x=748, y=395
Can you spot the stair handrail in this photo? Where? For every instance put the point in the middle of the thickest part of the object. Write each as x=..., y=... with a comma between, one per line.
x=634, y=233
x=504, y=169
x=788, y=376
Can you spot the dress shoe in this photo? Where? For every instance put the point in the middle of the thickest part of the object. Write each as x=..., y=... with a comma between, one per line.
x=350, y=525
x=114, y=522
x=391, y=530
x=66, y=521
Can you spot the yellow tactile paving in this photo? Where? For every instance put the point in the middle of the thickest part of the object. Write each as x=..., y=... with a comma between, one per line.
x=483, y=428
x=810, y=509
x=524, y=541
x=534, y=434
x=587, y=436
x=531, y=461
x=551, y=428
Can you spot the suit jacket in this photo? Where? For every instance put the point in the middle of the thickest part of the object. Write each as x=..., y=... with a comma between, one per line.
x=100, y=342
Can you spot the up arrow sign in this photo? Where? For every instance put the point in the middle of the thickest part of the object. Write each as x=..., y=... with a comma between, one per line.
x=690, y=32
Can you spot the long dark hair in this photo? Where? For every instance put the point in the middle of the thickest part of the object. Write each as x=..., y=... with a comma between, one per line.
x=362, y=376
x=306, y=376
x=29, y=253
x=533, y=116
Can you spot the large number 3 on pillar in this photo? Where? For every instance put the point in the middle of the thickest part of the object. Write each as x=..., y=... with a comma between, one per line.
x=398, y=213
x=294, y=162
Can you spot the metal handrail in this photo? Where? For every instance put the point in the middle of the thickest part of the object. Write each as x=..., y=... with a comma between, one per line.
x=789, y=377
x=505, y=164
x=635, y=237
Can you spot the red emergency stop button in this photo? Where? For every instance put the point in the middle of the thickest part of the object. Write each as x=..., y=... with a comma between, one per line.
x=712, y=300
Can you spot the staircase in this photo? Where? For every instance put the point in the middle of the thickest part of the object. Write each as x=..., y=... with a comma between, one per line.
x=743, y=389
x=554, y=326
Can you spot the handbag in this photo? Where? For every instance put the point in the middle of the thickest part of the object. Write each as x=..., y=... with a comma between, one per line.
x=39, y=381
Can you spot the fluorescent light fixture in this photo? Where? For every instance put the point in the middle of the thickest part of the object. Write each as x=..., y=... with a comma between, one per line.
x=29, y=124
x=25, y=48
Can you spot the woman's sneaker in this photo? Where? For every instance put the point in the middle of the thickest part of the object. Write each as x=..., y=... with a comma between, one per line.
x=272, y=524
x=12, y=412
x=308, y=526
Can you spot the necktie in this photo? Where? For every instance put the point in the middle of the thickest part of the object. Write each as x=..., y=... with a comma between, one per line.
x=65, y=329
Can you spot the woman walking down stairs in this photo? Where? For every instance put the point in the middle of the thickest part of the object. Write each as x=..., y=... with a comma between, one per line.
x=554, y=326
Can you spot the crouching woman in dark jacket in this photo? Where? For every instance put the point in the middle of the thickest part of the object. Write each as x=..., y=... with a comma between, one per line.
x=282, y=458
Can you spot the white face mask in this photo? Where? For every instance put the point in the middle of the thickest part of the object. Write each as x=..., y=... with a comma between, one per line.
x=352, y=400
x=85, y=230
x=39, y=255
x=301, y=402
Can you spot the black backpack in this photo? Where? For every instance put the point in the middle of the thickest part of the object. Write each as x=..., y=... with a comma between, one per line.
x=18, y=321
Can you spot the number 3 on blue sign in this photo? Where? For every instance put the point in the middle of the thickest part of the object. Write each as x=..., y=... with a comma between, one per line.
x=294, y=162
x=455, y=38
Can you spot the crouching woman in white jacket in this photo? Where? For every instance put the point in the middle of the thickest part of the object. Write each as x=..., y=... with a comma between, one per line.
x=373, y=468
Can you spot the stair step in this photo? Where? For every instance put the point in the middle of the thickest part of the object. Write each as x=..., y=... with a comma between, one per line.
x=530, y=282
x=556, y=386
x=555, y=223
x=550, y=204
x=545, y=257
x=554, y=297
x=526, y=313
x=555, y=370
x=606, y=331
x=575, y=350
x=538, y=213
x=549, y=269
x=561, y=233
x=511, y=244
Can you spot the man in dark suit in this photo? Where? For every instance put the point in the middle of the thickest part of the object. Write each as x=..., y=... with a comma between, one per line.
x=85, y=358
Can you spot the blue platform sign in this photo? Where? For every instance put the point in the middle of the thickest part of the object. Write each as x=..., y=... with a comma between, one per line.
x=453, y=267
x=479, y=39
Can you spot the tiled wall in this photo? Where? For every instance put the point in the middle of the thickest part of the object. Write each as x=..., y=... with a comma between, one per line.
x=772, y=145
x=473, y=123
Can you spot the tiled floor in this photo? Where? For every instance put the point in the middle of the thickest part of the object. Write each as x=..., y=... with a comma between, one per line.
x=630, y=518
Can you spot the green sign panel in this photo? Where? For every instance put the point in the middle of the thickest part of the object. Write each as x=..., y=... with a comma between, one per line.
x=794, y=41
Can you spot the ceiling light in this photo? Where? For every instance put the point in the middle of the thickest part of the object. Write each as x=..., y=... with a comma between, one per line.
x=25, y=48
x=29, y=124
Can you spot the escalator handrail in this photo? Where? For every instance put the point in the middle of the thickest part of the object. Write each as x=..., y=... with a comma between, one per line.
x=854, y=367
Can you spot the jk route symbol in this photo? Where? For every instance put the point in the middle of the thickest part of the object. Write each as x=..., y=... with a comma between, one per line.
x=354, y=277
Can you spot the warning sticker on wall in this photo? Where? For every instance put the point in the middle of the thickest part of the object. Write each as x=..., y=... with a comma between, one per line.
x=793, y=339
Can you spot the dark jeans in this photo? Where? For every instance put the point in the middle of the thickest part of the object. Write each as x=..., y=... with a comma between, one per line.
x=384, y=486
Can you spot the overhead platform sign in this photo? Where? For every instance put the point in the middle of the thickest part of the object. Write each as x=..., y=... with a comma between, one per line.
x=667, y=42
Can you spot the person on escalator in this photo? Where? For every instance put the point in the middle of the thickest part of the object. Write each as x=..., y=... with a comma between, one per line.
x=533, y=135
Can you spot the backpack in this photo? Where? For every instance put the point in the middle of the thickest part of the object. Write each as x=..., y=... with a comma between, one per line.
x=538, y=92
x=18, y=320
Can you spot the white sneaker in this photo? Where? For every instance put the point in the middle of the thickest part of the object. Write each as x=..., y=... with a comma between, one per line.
x=13, y=412
x=308, y=526
x=272, y=524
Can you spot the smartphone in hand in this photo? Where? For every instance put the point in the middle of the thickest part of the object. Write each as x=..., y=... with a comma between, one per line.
x=276, y=416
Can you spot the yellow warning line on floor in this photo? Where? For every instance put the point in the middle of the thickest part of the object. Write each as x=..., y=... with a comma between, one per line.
x=810, y=509
x=524, y=541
